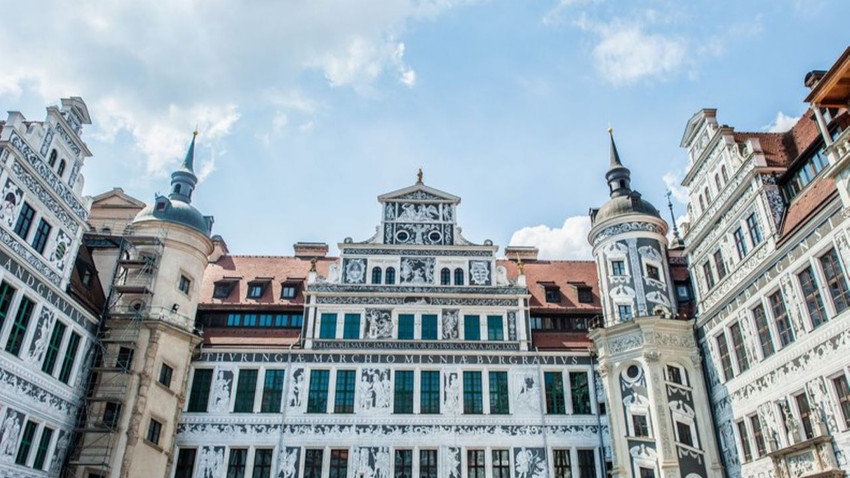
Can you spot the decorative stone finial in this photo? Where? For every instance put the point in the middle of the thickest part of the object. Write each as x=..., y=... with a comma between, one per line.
x=313, y=265
x=419, y=176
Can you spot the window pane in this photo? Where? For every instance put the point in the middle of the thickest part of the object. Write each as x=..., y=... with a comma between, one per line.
x=272, y=391
x=185, y=463
x=43, y=445
x=403, y=463
x=475, y=464
x=471, y=327
x=843, y=393
x=780, y=316
x=835, y=280
x=339, y=464
x=237, y=462
x=472, y=391
x=739, y=346
x=262, y=463
x=344, y=397
x=317, y=399
x=19, y=326
x=811, y=293
x=69, y=358
x=53, y=346
x=562, y=464
x=429, y=398
x=429, y=327
x=758, y=436
x=499, y=393
x=428, y=463
x=313, y=464
x=405, y=327
x=7, y=292
x=745, y=442
x=580, y=392
x=586, y=464
x=327, y=329
x=763, y=330
x=200, y=394
x=725, y=359
x=501, y=464
x=403, y=399
x=351, y=330
x=26, y=443
x=495, y=328
x=554, y=382
x=245, y=390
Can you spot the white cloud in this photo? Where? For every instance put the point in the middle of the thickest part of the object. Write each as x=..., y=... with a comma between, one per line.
x=781, y=123
x=673, y=182
x=626, y=53
x=566, y=242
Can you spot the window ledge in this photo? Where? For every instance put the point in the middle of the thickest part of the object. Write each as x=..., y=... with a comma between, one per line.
x=153, y=445
x=166, y=389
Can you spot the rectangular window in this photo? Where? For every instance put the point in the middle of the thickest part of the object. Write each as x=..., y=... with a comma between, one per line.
x=554, y=382
x=708, y=275
x=22, y=226
x=184, y=284
x=625, y=312
x=237, y=462
x=200, y=394
x=429, y=327
x=53, y=346
x=7, y=292
x=255, y=290
x=19, y=326
x=580, y=392
x=499, y=404
x=403, y=464
x=740, y=243
x=562, y=463
x=780, y=316
x=43, y=446
x=475, y=467
x=272, y=392
x=165, y=374
x=154, y=431
x=69, y=358
x=403, y=392
x=811, y=294
x=222, y=289
x=618, y=268
x=111, y=415
x=674, y=374
x=501, y=464
x=725, y=359
x=471, y=327
x=185, y=467
x=313, y=464
x=739, y=347
x=719, y=264
x=262, y=463
x=495, y=329
x=684, y=431
x=428, y=463
x=287, y=291
x=327, y=327
x=585, y=295
x=652, y=272
x=586, y=464
x=42, y=232
x=317, y=398
x=26, y=443
x=763, y=331
x=405, y=327
x=843, y=393
x=473, y=402
x=755, y=231
x=553, y=294
x=246, y=388
x=351, y=326
x=125, y=358
x=344, y=396
x=429, y=392
x=805, y=415
x=646, y=472
x=640, y=425
x=758, y=435
x=835, y=280
x=745, y=441
x=339, y=464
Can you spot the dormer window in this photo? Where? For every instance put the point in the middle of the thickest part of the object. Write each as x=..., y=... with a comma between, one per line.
x=256, y=289
x=288, y=290
x=222, y=289
x=585, y=294
x=161, y=204
x=553, y=293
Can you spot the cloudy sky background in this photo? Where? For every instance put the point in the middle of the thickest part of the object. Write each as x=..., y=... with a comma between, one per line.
x=310, y=109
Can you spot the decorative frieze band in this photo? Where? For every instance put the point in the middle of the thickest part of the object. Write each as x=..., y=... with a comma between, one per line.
x=33, y=185
x=403, y=359
x=438, y=301
x=413, y=345
x=414, y=252
x=425, y=290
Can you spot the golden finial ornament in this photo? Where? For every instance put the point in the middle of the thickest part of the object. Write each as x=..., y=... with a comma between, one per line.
x=519, y=265
x=419, y=176
x=195, y=133
x=610, y=130
x=313, y=265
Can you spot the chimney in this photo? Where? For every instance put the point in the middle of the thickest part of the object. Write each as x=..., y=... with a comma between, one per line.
x=524, y=253
x=813, y=78
x=310, y=250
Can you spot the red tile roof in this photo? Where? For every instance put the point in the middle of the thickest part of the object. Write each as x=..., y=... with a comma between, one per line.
x=806, y=205
x=567, y=275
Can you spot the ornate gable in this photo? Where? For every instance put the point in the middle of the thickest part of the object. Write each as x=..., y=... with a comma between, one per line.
x=419, y=215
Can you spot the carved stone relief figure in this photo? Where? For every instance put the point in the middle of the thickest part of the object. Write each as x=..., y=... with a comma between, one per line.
x=379, y=324
x=417, y=270
x=297, y=388
x=39, y=346
x=451, y=392
x=221, y=391
x=527, y=396
x=371, y=462
x=530, y=462
x=450, y=323
x=211, y=462
x=287, y=462
x=59, y=451
x=10, y=434
x=822, y=403
x=374, y=389
x=451, y=462
x=502, y=276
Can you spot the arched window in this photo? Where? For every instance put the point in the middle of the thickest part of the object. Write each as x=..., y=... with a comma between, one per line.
x=176, y=189
x=376, y=275
x=701, y=203
x=707, y=194
x=390, y=275
x=458, y=276
x=61, y=169
x=445, y=276
x=622, y=183
x=717, y=181
x=52, y=160
x=723, y=173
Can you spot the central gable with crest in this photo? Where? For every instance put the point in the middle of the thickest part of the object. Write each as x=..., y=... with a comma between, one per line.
x=419, y=215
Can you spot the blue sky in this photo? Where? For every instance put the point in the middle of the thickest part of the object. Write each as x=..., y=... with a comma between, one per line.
x=309, y=109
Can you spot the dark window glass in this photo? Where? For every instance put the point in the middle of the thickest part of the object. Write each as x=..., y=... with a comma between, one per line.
x=19, y=327
x=327, y=329
x=403, y=464
x=429, y=327
x=344, y=396
x=683, y=292
x=154, y=431
x=61, y=169
x=708, y=275
x=427, y=463
x=403, y=399
x=780, y=316
x=429, y=392
x=317, y=399
x=237, y=462
x=763, y=331
x=745, y=441
x=835, y=280
x=69, y=358
x=585, y=295
x=586, y=464
x=165, y=374
x=758, y=435
x=618, y=268
x=111, y=415
x=475, y=467
x=41, y=451
x=755, y=231
x=554, y=382
x=245, y=390
x=445, y=276
x=495, y=329
x=625, y=312
x=811, y=293
x=719, y=264
x=473, y=402
x=739, y=347
x=376, y=275
x=255, y=291
x=7, y=292
x=674, y=374
x=288, y=291
x=26, y=443
x=580, y=393
x=200, y=394
x=684, y=431
x=221, y=290
x=740, y=243
x=22, y=226
x=390, y=276
x=351, y=326
x=562, y=464
x=339, y=464
x=185, y=463
x=313, y=464
x=725, y=359
x=51, y=161
x=53, y=346
x=405, y=326
x=553, y=294
x=458, y=276
x=262, y=463
x=641, y=425
x=843, y=393
x=805, y=415
x=647, y=472
x=42, y=232
x=272, y=392
x=124, y=361
x=499, y=404
x=184, y=284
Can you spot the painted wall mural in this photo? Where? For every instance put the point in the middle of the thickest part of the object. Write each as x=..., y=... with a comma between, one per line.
x=450, y=324
x=13, y=199
x=379, y=324
x=287, y=462
x=354, y=271
x=59, y=250
x=220, y=399
x=530, y=463
x=13, y=425
x=416, y=270
x=479, y=272
x=375, y=390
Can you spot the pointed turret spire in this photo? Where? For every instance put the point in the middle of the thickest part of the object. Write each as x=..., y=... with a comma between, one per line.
x=189, y=160
x=677, y=240
x=183, y=180
x=618, y=176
